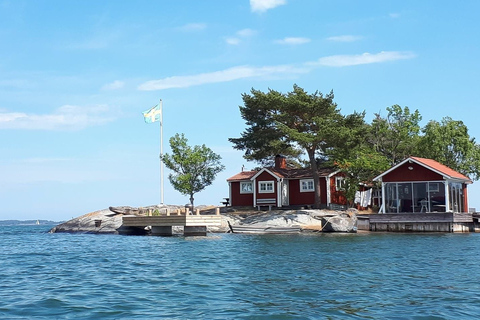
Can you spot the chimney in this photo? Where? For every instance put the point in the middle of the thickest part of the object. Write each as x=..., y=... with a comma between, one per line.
x=280, y=162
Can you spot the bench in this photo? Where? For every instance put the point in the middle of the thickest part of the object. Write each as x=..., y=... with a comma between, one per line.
x=226, y=202
x=266, y=202
x=338, y=207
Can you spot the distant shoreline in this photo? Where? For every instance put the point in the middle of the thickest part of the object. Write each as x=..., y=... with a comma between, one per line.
x=27, y=222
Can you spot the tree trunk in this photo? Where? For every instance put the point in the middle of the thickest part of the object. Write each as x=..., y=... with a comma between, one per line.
x=316, y=178
x=191, y=202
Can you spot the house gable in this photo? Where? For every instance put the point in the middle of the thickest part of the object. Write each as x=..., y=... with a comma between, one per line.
x=268, y=179
x=263, y=173
x=411, y=172
x=420, y=169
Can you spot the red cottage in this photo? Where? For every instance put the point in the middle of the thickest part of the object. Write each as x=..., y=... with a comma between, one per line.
x=280, y=186
x=423, y=185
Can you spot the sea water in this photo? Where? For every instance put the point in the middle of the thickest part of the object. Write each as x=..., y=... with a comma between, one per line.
x=233, y=276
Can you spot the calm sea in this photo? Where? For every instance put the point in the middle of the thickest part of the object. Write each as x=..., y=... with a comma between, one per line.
x=231, y=276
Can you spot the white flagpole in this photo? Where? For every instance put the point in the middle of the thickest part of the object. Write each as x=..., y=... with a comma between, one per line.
x=161, y=151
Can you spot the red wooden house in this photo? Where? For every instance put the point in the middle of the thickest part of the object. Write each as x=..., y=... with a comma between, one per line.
x=423, y=185
x=280, y=186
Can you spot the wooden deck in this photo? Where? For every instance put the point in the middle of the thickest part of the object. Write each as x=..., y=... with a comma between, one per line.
x=420, y=222
x=162, y=225
x=161, y=221
x=421, y=217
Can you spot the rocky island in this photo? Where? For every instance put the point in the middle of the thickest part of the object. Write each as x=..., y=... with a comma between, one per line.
x=109, y=221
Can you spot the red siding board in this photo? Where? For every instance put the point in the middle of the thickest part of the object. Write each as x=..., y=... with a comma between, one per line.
x=418, y=173
x=240, y=199
x=297, y=197
x=265, y=176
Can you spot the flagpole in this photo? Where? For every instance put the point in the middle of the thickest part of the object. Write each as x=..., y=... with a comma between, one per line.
x=161, y=151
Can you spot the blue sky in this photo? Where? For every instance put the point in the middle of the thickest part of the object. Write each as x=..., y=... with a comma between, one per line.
x=75, y=77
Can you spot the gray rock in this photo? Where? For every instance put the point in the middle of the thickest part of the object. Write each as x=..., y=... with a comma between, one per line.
x=102, y=221
x=110, y=220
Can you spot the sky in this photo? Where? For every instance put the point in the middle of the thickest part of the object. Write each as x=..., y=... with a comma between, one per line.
x=75, y=77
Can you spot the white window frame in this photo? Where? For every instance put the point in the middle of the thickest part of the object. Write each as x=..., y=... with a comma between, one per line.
x=266, y=184
x=340, y=183
x=244, y=183
x=433, y=187
x=306, y=181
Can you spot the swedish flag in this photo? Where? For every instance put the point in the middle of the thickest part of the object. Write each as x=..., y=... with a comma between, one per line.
x=153, y=114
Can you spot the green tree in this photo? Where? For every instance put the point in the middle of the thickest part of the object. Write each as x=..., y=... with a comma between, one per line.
x=262, y=140
x=449, y=143
x=362, y=168
x=396, y=136
x=350, y=137
x=355, y=156
x=193, y=168
x=290, y=124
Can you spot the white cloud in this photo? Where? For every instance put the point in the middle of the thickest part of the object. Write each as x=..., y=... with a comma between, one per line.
x=394, y=15
x=293, y=41
x=244, y=72
x=233, y=41
x=365, y=58
x=245, y=33
x=241, y=34
x=235, y=73
x=264, y=5
x=67, y=117
x=345, y=38
x=115, y=85
x=191, y=27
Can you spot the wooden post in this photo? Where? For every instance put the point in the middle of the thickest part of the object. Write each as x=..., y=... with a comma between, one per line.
x=168, y=211
x=150, y=212
x=197, y=212
x=178, y=212
x=187, y=211
x=217, y=211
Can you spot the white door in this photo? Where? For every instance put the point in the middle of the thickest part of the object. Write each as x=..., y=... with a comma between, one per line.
x=285, y=201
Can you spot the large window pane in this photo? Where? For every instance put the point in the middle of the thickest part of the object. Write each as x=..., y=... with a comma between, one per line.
x=456, y=197
x=420, y=197
x=405, y=197
x=391, y=198
x=437, y=196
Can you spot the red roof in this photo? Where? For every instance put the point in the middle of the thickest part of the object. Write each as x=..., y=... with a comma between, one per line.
x=284, y=173
x=244, y=175
x=443, y=169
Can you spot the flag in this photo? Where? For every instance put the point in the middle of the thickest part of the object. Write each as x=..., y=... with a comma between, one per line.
x=153, y=114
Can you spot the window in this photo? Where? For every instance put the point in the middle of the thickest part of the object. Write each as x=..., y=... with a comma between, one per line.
x=433, y=187
x=246, y=187
x=339, y=183
x=306, y=185
x=265, y=186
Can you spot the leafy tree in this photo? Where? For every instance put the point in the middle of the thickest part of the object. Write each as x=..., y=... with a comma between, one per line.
x=362, y=168
x=291, y=124
x=355, y=156
x=350, y=137
x=262, y=140
x=448, y=142
x=396, y=136
x=193, y=168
